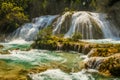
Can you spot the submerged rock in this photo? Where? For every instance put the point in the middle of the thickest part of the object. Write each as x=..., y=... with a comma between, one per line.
x=4, y=52
x=66, y=67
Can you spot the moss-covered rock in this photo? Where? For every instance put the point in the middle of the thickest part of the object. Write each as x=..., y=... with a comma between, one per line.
x=105, y=65
x=55, y=43
x=103, y=52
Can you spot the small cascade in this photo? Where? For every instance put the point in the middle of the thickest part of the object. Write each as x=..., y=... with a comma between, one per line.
x=63, y=23
x=30, y=30
x=93, y=63
x=108, y=28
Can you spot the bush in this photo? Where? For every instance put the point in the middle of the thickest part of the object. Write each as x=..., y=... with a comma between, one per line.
x=76, y=36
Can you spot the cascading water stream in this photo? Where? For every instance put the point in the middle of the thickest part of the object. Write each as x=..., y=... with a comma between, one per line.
x=90, y=25
x=29, y=31
x=78, y=21
x=107, y=27
x=60, y=20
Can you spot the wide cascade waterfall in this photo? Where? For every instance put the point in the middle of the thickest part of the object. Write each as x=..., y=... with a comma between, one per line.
x=90, y=25
x=29, y=31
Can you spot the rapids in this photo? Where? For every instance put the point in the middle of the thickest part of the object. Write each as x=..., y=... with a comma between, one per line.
x=35, y=58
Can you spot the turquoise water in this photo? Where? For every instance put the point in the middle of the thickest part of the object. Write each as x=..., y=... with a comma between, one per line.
x=22, y=55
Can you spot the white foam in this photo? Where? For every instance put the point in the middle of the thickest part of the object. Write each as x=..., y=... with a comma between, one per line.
x=114, y=41
x=19, y=41
x=32, y=56
x=57, y=74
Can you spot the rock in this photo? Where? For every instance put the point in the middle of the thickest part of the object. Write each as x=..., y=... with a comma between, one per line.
x=1, y=46
x=4, y=52
x=105, y=65
x=103, y=52
x=86, y=48
x=114, y=11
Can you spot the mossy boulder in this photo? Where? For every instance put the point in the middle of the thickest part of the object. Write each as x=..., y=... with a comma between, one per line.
x=105, y=65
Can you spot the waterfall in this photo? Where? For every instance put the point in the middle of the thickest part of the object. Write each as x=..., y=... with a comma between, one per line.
x=107, y=27
x=80, y=19
x=90, y=25
x=60, y=22
x=30, y=30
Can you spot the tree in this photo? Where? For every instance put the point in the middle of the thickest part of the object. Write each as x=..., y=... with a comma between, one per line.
x=12, y=16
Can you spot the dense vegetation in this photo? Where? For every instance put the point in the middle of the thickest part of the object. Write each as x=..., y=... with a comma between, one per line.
x=12, y=14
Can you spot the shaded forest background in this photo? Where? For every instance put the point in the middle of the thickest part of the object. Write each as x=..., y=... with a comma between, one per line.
x=14, y=13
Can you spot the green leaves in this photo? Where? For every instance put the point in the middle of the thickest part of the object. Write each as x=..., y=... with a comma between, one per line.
x=77, y=36
x=45, y=33
x=11, y=16
x=6, y=7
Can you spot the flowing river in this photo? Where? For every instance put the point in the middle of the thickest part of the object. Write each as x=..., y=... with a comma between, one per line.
x=37, y=64
x=27, y=60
